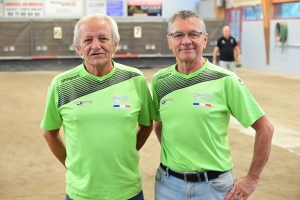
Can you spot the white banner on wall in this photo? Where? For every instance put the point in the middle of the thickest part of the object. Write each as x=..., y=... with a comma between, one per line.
x=95, y=6
x=23, y=9
x=241, y=3
x=63, y=8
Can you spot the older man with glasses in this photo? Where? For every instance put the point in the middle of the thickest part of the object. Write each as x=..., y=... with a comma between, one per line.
x=194, y=100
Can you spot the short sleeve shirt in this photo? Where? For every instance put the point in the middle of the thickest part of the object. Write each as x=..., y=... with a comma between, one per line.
x=99, y=117
x=195, y=110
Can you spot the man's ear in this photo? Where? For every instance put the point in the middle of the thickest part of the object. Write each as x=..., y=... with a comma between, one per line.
x=205, y=40
x=77, y=49
x=169, y=42
x=116, y=46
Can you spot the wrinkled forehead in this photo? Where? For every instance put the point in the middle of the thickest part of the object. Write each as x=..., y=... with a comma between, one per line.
x=185, y=25
x=95, y=26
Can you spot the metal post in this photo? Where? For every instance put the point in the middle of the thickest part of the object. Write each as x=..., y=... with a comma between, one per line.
x=164, y=48
x=132, y=37
x=31, y=38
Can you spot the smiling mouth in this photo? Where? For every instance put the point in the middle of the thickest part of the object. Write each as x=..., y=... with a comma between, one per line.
x=186, y=49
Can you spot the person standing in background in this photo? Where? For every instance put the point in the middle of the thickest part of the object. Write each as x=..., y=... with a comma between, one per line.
x=106, y=111
x=226, y=45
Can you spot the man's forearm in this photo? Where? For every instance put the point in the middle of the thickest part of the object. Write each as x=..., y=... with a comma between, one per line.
x=214, y=56
x=216, y=49
x=56, y=145
x=158, y=129
x=238, y=50
x=262, y=149
x=142, y=135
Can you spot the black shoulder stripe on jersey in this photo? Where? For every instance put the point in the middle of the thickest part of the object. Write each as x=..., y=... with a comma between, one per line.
x=86, y=85
x=176, y=82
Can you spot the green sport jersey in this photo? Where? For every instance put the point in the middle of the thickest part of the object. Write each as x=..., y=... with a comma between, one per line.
x=100, y=116
x=195, y=111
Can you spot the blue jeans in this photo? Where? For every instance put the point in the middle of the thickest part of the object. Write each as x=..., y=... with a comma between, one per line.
x=139, y=196
x=168, y=187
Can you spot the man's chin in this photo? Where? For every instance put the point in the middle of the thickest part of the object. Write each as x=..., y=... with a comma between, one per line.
x=96, y=62
x=187, y=58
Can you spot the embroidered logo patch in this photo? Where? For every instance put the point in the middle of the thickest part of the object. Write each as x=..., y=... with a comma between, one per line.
x=120, y=98
x=241, y=82
x=164, y=101
x=204, y=96
x=82, y=103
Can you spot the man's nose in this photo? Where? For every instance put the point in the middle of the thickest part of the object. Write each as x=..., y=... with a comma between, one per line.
x=96, y=44
x=186, y=39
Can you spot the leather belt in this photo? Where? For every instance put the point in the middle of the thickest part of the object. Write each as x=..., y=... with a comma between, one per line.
x=192, y=177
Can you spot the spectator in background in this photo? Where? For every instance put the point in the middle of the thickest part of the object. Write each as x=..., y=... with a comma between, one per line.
x=226, y=45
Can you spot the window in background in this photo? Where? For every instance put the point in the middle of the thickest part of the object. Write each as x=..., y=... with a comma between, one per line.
x=287, y=10
x=253, y=13
x=243, y=14
x=234, y=22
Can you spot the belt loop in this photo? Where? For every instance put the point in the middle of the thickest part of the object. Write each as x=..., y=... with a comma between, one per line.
x=184, y=177
x=167, y=172
x=205, y=176
x=199, y=178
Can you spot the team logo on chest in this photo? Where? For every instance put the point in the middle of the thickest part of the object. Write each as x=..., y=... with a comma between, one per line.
x=200, y=100
x=120, y=101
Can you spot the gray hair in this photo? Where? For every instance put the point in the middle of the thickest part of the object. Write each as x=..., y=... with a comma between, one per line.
x=110, y=20
x=183, y=14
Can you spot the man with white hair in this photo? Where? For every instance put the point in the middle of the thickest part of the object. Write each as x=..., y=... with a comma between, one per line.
x=100, y=104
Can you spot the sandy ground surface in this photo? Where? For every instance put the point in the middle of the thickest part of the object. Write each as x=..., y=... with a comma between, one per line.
x=29, y=171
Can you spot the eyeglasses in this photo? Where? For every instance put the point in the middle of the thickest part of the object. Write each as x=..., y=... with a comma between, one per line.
x=192, y=35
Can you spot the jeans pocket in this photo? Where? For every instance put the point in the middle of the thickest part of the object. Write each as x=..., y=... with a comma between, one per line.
x=159, y=176
x=224, y=182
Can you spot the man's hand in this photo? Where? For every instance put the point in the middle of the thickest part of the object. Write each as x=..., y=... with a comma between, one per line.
x=238, y=58
x=242, y=189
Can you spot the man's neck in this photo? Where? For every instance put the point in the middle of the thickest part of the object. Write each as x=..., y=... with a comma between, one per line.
x=99, y=70
x=190, y=67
